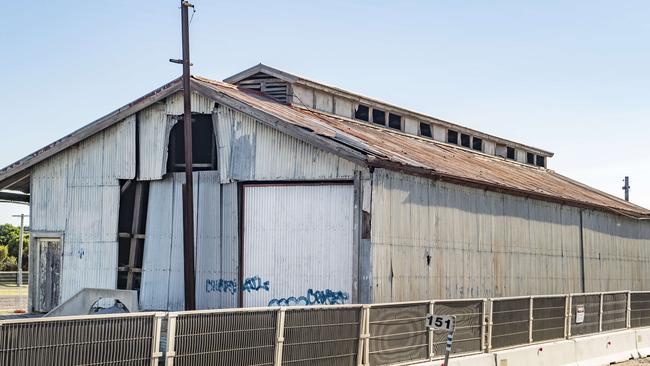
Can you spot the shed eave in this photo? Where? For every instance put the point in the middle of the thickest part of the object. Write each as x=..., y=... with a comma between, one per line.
x=94, y=127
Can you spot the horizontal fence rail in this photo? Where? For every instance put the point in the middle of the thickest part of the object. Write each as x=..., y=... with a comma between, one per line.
x=340, y=335
x=88, y=340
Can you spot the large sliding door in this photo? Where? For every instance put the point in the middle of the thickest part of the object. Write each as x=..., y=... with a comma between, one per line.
x=297, y=244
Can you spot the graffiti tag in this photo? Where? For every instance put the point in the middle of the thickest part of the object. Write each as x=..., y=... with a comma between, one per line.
x=255, y=284
x=325, y=297
x=251, y=284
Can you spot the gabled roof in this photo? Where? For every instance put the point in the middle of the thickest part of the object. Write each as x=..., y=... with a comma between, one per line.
x=295, y=79
x=15, y=176
x=364, y=144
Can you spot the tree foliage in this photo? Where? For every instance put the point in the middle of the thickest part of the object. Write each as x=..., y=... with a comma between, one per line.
x=10, y=240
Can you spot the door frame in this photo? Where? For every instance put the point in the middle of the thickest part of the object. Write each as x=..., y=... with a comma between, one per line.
x=241, y=188
x=34, y=279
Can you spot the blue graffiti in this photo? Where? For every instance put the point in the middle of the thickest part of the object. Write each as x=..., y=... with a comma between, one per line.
x=230, y=286
x=220, y=285
x=255, y=284
x=326, y=297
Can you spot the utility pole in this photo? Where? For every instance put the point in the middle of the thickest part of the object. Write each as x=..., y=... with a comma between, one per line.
x=188, y=191
x=19, y=276
x=626, y=188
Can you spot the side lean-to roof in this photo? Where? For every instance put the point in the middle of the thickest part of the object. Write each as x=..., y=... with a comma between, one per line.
x=362, y=143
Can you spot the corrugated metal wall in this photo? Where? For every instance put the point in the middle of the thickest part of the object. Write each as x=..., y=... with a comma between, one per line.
x=617, y=252
x=249, y=150
x=153, y=136
x=216, y=250
x=77, y=192
x=298, y=244
x=438, y=240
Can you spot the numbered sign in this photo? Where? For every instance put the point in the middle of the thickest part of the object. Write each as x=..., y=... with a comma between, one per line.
x=441, y=322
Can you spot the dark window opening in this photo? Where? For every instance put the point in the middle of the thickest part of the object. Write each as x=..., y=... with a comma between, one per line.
x=204, y=152
x=132, y=221
x=452, y=137
x=530, y=158
x=425, y=130
x=464, y=140
x=510, y=154
x=362, y=113
x=394, y=121
x=477, y=144
x=541, y=161
x=379, y=117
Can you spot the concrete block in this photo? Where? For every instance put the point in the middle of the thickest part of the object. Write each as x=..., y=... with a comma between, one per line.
x=560, y=353
x=82, y=301
x=603, y=349
x=643, y=341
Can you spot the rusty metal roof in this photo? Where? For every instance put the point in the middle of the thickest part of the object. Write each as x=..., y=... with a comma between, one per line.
x=426, y=157
x=375, y=146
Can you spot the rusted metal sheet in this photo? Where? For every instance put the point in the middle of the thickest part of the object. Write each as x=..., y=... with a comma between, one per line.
x=439, y=240
x=400, y=151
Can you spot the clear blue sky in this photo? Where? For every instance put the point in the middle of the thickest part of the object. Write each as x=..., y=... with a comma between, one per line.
x=570, y=77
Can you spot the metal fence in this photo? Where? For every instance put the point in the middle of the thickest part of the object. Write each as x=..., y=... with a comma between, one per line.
x=345, y=335
x=131, y=339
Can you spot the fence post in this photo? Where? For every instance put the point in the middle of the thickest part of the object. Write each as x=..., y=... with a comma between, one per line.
x=279, y=336
x=363, y=336
x=628, y=311
x=430, y=333
x=171, y=339
x=489, y=337
x=600, y=318
x=530, y=320
x=155, y=338
x=366, y=348
x=483, y=325
x=569, y=316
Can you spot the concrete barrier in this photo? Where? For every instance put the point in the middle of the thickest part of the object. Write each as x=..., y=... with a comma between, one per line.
x=560, y=353
x=603, y=349
x=483, y=359
x=643, y=341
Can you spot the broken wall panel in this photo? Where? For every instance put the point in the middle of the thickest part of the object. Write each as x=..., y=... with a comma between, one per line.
x=208, y=240
x=439, y=240
x=153, y=136
x=249, y=150
x=162, y=269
